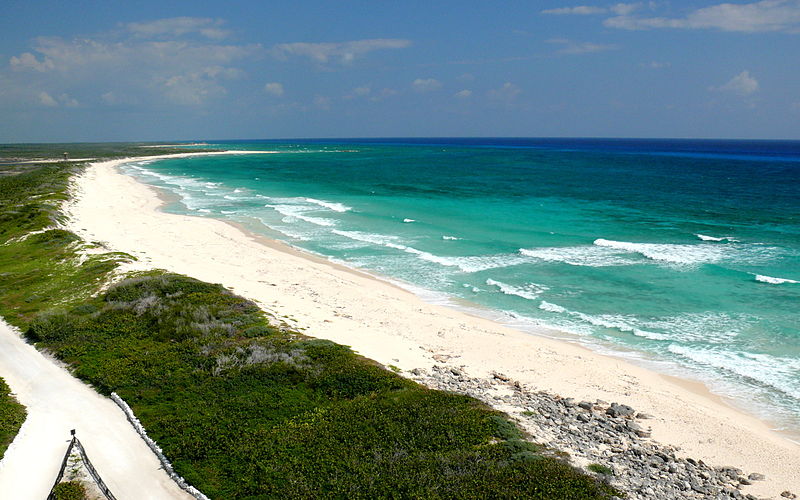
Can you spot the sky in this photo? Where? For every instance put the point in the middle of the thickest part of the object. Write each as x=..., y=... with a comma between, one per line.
x=84, y=71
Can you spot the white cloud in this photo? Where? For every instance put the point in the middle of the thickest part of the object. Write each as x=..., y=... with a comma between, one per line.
x=363, y=91
x=85, y=57
x=742, y=84
x=507, y=92
x=624, y=9
x=426, y=84
x=763, y=16
x=385, y=93
x=65, y=100
x=274, y=88
x=178, y=26
x=46, y=99
x=620, y=9
x=68, y=101
x=463, y=94
x=573, y=47
x=110, y=98
x=581, y=10
x=183, y=71
x=194, y=88
x=322, y=102
x=26, y=60
x=656, y=65
x=343, y=52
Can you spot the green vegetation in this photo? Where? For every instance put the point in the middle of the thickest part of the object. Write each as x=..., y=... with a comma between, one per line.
x=600, y=469
x=245, y=409
x=41, y=267
x=69, y=490
x=12, y=415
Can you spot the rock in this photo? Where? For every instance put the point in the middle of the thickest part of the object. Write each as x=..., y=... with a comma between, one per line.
x=585, y=405
x=500, y=376
x=644, y=416
x=788, y=494
x=616, y=410
x=755, y=476
x=584, y=417
x=634, y=427
x=744, y=481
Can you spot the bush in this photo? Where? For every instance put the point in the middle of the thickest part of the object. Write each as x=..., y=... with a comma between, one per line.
x=12, y=415
x=69, y=490
x=245, y=410
x=52, y=326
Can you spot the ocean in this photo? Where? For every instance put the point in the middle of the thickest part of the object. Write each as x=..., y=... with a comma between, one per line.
x=683, y=255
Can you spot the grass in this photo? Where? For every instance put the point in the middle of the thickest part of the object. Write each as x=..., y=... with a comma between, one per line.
x=41, y=266
x=12, y=415
x=600, y=469
x=243, y=408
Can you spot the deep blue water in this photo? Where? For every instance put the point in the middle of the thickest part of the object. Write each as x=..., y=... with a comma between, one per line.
x=686, y=252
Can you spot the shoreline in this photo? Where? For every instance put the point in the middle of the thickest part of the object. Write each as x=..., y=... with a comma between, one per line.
x=641, y=359
x=373, y=316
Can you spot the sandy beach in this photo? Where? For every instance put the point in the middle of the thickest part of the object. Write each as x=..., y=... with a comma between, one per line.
x=394, y=327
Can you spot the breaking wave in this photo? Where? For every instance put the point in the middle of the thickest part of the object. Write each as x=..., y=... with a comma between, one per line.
x=530, y=291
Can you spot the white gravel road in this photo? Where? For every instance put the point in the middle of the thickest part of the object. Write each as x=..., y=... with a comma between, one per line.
x=57, y=402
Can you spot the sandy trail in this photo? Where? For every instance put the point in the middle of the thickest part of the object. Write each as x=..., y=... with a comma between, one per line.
x=57, y=402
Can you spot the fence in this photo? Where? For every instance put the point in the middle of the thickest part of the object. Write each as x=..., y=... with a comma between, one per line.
x=181, y=482
x=75, y=442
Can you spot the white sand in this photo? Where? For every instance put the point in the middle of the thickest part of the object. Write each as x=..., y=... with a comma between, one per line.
x=393, y=326
x=57, y=402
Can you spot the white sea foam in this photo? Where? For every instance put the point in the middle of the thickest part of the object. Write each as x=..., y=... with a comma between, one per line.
x=773, y=281
x=547, y=306
x=613, y=321
x=409, y=220
x=331, y=205
x=714, y=238
x=467, y=264
x=297, y=212
x=591, y=256
x=375, y=239
x=766, y=370
x=450, y=238
x=530, y=291
x=669, y=253
x=707, y=327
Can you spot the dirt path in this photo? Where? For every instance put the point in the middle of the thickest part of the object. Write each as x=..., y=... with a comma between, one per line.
x=56, y=403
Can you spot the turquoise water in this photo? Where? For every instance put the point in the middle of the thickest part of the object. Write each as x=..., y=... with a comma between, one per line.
x=684, y=254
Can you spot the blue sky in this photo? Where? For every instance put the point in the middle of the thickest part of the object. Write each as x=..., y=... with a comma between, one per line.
x=105, y=71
